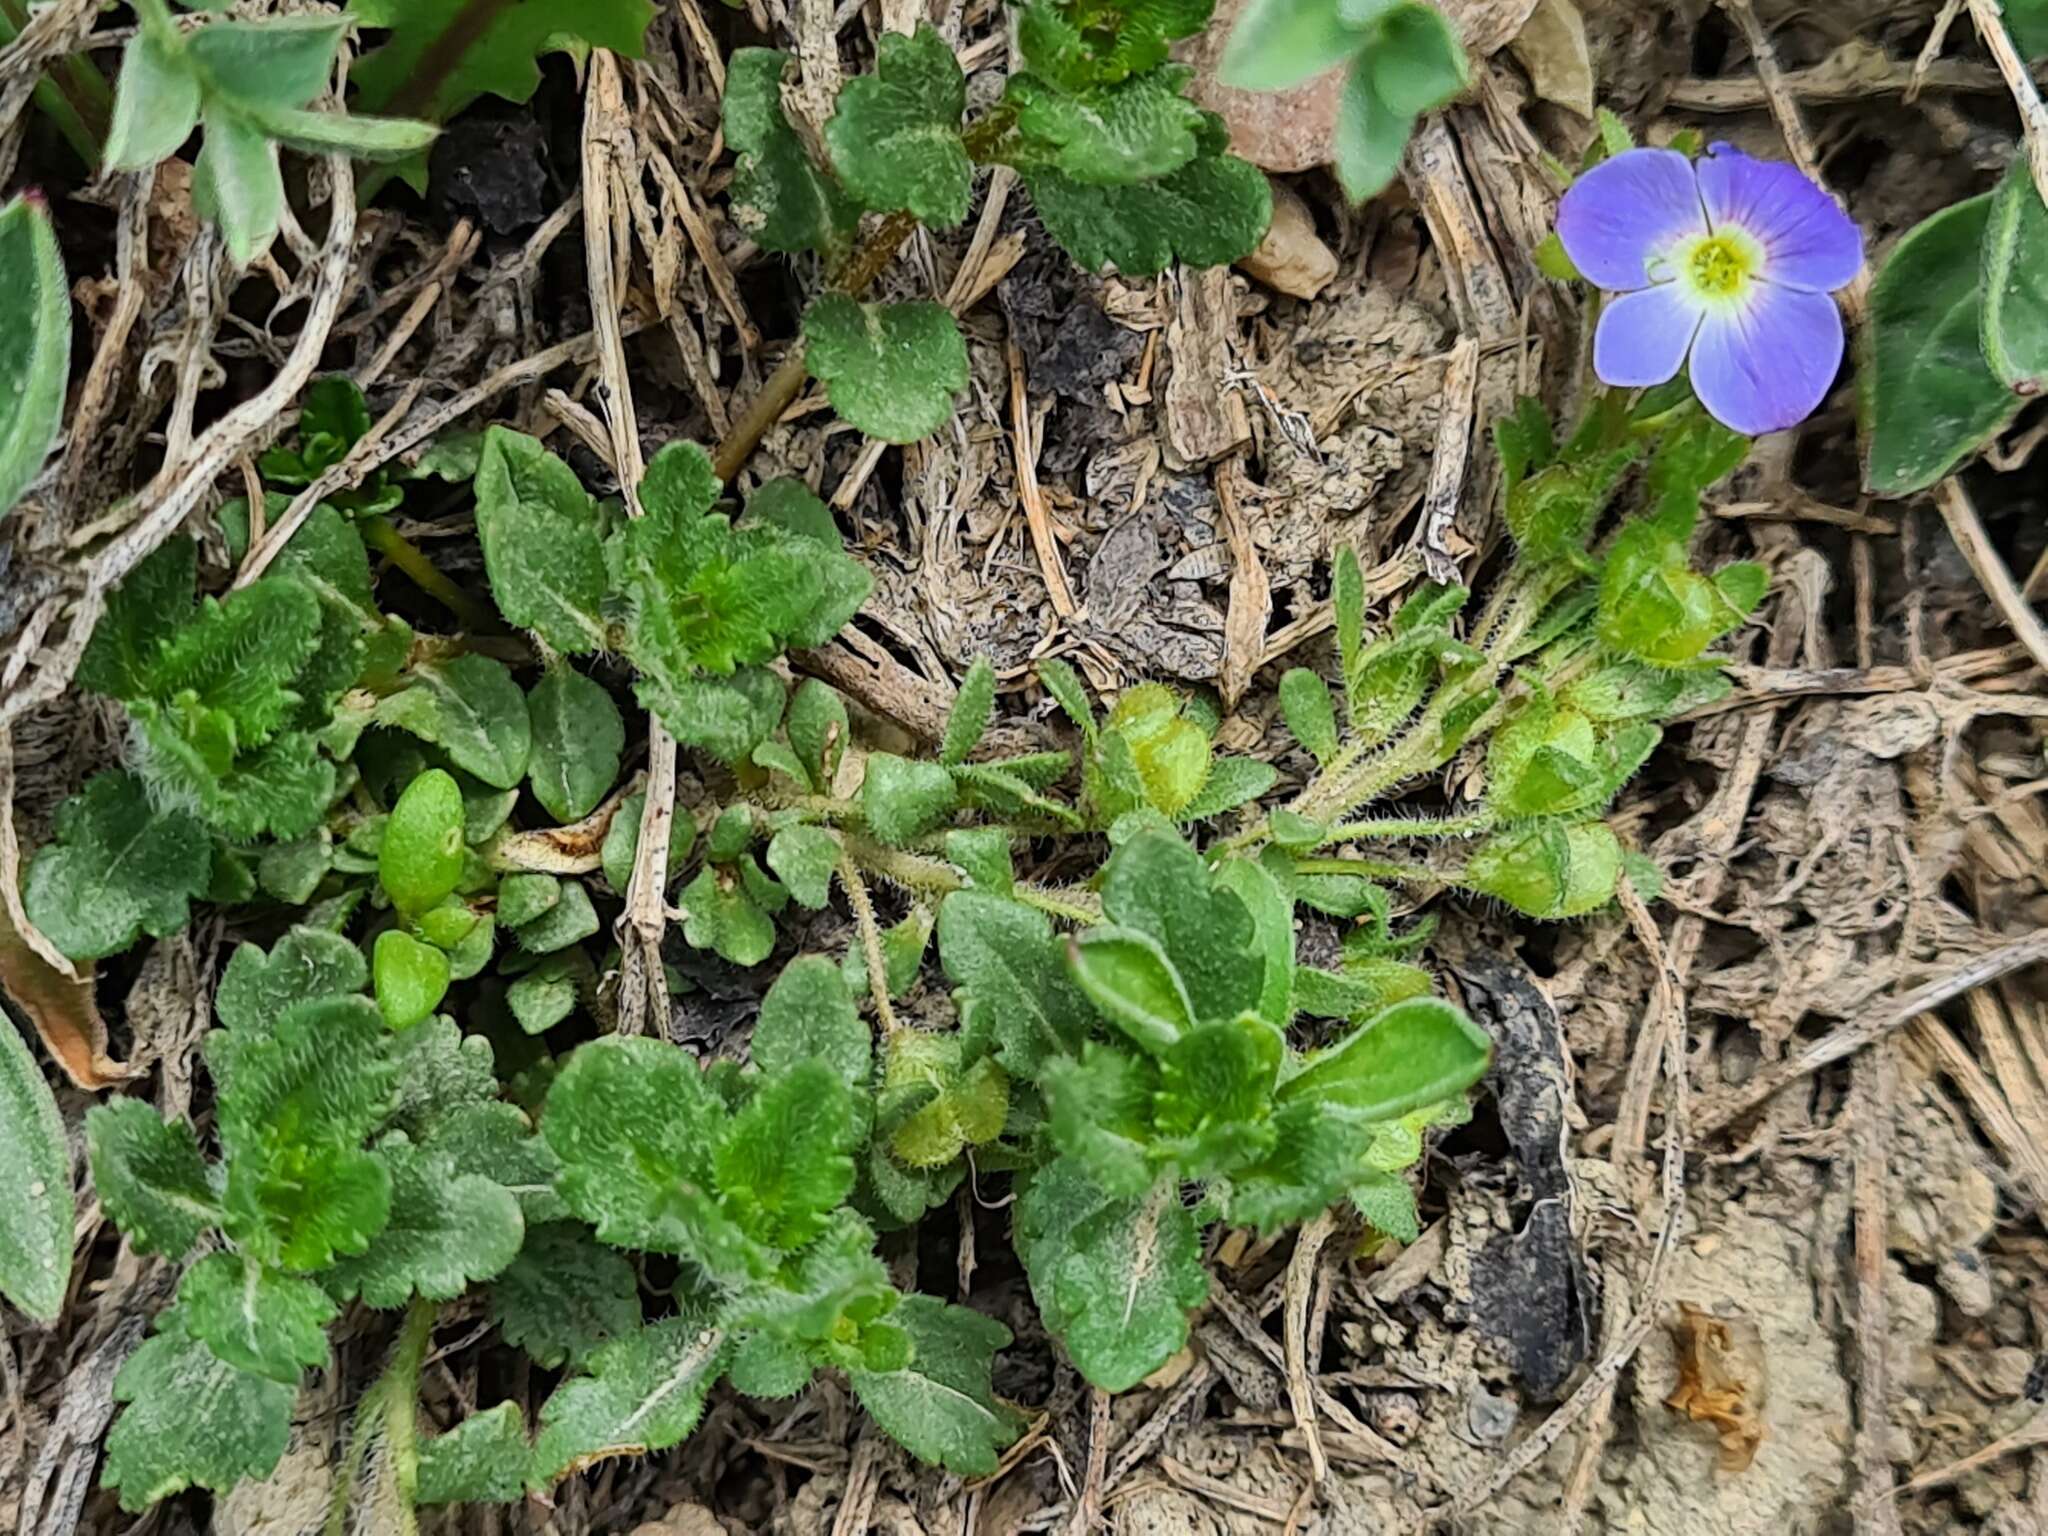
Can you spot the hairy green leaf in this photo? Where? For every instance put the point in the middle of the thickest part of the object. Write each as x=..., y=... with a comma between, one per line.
x=578, y=738
x=895, y=134
x=1415, y=1053
x=255, y=1318
x=645, y=1392
x=564, y=1296
x=410, y=978
x=484, y=1459
x=779, y=195
x=35, y=344
x=115, y=870
x=470, y=708
x=902, y=800
x=1114, y=1279
x=542, y=542
x=35, y=1163
x=1002, y=955
x=191, y=1420
x=890, y=369
x=941, y=1404
x=149, y=1177
x=446, y=1231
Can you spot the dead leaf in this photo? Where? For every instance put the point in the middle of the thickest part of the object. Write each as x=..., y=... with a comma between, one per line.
x=62, y=1010
x=1722, y=1380
x=1552, y=47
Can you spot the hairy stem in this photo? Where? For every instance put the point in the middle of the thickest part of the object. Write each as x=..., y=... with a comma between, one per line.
x=933, y=877
x=870, y=940
x=388, y=1414
x=1411, y=826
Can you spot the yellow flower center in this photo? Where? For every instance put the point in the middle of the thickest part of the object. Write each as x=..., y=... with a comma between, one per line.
x=1718, y=266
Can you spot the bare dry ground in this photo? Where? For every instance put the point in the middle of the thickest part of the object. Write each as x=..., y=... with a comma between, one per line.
x=1805, y=1093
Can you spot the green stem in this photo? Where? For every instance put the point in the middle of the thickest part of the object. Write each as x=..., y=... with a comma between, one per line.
x=73, y=93
x=869, y=261
x=408, y=557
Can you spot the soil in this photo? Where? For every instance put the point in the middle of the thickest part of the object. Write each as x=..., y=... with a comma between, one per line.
x=1148, y=478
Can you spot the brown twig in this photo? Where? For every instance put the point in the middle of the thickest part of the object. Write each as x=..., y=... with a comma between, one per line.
x=1870, y=1106
x=1967, y=529
x=1952, y=983
x=2013, y=69
x=1301, y=1268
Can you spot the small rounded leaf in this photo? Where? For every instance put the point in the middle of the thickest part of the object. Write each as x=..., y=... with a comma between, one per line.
x=410, y=978
x=420, y=860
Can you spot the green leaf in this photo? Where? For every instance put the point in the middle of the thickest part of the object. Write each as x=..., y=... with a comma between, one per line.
x=720, y=915
x=444, y=41
x=890, y=369
x=902, y=800
x=2015, y=318
x=524, y=898
x=548, y=993
x=965, y=1108
x=295, y=1103
x=1417, y=63
x=622, y=842
x=569, y=921
x=237, y=182
x=803, y=858
x=1548, y=870
x=2028, y=21
x=542, y=547
x=764, y=1366
x=482, y=1460
x=808, y=1015
x=941, y=1405
x=779, y=196
x=818, y=731
x=191, y=1421
x=35, y=1166
x=633, y=1122
x=35, y=344
x=1114, y=1279
x=1232, y=782
x=578, y=738
x=420, y=859
x=1371, y=135
x=156, y=104
x=1157, y=884
x=440, y=1072
x=785, y=1162
x=344, y=133
x=411, y=978
x=1128, y=978
x=115, y=870
x=1311, y=712
x=1387, y=1204
x=1928, y=399
x=1215, y=1095
x=255, y=1318
x=1272, y=914
x=895, y=134
x=1067, y=690
x=148, y=1175
x=645, y=1392
x=903, y=947
x=972, y=707
x=1415, y=1053
x=497, y=1141
x=285, y=61
x=564, y=1296
x=143, y=613
x=446, y=1231
x=470, y=708
x=305, y=964
x=983, y=855
x=1211, y=211
x=1137, y=131
x=1003, y=957
x=1279, y=44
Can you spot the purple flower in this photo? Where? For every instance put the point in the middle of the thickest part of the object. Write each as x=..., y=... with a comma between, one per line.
x=1728, y=259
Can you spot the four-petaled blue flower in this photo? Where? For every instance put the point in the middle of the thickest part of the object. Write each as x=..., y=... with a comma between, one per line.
x=1729, y=259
